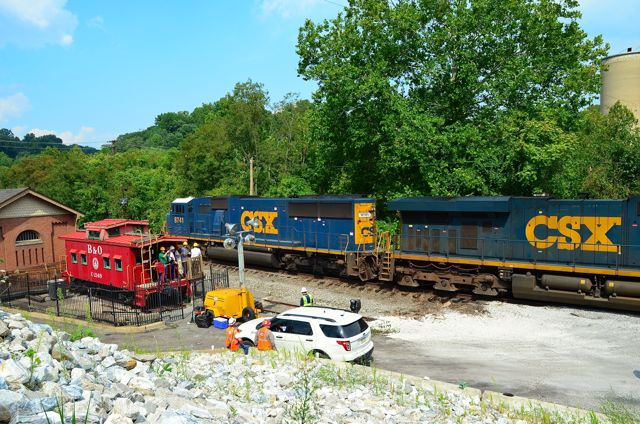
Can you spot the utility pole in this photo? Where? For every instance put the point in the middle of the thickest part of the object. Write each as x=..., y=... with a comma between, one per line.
x=251, y=191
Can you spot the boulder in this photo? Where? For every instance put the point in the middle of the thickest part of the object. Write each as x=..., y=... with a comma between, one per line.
x=13, y=372
x=77, y=373
x=144, y=357
x=118, y=419
x=4, y=330
x=124, y=406
x=9, y=402
x=171, y=417
x=108, y=362
x=142, y=385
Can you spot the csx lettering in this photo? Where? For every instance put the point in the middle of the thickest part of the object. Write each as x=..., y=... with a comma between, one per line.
x=94, y=250
x=265, y=220
x=569, y=237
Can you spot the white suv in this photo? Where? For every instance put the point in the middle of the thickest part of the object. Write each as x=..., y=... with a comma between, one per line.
x=329, y=333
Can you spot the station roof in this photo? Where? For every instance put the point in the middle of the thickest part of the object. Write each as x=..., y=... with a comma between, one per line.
x=452, y=204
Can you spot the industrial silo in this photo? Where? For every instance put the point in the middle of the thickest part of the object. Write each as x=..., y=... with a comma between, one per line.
x=621, y=82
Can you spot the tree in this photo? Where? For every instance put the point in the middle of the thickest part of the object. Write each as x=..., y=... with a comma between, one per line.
x=419, y=97
x=605, y=159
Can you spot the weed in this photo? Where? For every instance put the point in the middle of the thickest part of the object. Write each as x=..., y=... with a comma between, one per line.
x=60, y=411
x=303, y=408
x=81, y=332
x=619, y=413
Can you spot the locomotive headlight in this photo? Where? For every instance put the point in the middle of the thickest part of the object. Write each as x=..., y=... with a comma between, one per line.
x=231, y=228
x=229, y=243
x=249, y=238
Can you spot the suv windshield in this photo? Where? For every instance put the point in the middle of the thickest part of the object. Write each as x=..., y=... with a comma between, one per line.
x=344, y=331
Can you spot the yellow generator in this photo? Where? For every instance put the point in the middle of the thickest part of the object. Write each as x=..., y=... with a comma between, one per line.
x=230, y=302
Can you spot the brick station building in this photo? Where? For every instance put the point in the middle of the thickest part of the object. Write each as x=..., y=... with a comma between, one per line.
x=30, y=224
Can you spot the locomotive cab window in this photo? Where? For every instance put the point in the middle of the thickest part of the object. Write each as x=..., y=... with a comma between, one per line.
x=179, y=209
x=83, y=258
x=118, y=263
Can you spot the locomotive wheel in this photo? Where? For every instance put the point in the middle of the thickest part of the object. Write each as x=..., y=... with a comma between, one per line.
x=366, y=268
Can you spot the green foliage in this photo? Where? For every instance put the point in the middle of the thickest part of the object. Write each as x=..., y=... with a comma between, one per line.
x=620, y=414
x=13, y=147
x=81, y=332
x=604, y=162
x=446, y=98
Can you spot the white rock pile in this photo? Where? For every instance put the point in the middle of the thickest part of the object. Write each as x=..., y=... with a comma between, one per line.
x=44, y=374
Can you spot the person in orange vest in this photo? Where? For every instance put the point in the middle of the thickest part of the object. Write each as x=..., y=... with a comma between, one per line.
x=266, y=340
x=233, y=343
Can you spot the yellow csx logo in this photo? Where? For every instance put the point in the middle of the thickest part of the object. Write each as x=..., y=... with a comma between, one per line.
x=264, y=218
x=569, y=238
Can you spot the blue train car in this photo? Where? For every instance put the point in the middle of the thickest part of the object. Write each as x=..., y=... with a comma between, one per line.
x=573, y=251
x=320, y=233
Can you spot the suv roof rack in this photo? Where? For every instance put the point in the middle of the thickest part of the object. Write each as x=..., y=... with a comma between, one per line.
x=306, y=316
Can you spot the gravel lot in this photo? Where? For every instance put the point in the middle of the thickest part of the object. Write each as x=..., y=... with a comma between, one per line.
x=568, y=355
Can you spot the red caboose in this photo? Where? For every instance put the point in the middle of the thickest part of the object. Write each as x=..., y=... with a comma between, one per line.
x=121, y=254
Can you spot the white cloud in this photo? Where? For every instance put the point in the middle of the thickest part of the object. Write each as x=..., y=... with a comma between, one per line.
x=67, y=137
x=36, y=22
x=96, y=22
x=287, y=8
x=13, y=106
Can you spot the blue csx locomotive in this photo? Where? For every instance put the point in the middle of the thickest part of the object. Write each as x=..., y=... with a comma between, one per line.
x=584, y=252
x=320, y=234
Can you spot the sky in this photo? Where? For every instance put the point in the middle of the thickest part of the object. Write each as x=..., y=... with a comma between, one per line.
x=89, y=70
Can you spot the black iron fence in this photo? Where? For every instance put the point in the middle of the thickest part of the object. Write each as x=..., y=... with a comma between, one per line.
x=106, y=304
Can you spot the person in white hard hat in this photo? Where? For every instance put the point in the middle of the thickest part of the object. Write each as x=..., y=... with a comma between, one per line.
x=306, y=299
x=233, y=343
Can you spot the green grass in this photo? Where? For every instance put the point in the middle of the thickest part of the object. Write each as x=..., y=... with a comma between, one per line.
x=619, y=413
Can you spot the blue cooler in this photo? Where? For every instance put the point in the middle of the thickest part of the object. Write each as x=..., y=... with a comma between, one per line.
x=220, y=323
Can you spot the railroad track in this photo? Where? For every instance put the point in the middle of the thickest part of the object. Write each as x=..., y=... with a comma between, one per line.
x=328, y=282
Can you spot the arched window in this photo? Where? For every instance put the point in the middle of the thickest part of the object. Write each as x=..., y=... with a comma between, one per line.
x=28, y=237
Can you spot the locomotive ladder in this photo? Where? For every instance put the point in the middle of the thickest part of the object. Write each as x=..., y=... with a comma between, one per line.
x=385, y=258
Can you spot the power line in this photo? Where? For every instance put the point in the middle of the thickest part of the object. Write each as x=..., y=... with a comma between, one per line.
x=336, y=3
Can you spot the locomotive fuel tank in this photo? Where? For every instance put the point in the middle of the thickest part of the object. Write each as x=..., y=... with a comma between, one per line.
x=622, y=288
x=562, y=282
x=255, y=256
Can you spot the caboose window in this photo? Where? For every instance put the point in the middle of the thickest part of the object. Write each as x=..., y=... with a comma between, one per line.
x=94, y=235
x=83, y=258
x=114, y=231
x=118, y=264
x=107, y=263
x=74, y=258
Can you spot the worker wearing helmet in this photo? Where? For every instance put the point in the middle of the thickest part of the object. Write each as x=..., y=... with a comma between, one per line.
x=306, y=299
x=196, y=259
x=265, y=338
x=232, y=342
